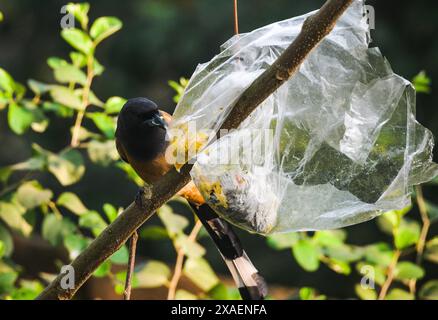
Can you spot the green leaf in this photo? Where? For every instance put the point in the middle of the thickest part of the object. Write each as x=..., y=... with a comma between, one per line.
x=422, y=82
x=37, y=87
x=130, y=173
x=114, y=105
x=93, y=221
x=121, y=256
x=31, y=195
x=431, y=252
x=66, y=97
x=80, y=12
x=104, y=123
x=7, y=280
x=68, y=167
x=379, y=254
x=103, y=269
x=307, y=293
x=58, y=109
x=103, y=27
x=429, y=291
x=182, y=294
x=1, y=16
x=338, y=266
x=222, y=292
x=78, y=40
x=432, y=211
x=56, y=62
x=28, y=290
x=173, y=223
x=75, y=244
x=191, y=249
x=399, y=294
x=200, y=273
x=407, y=270
x=7, y=83
x=72, y=202
x=55, y=229
x=70, y=74
x=110, y=212
x=281, y=241
x=12, y=215
x=6, y=240
x=103, y=153
x=98, y=69
x=306, y=253
x=154, y=233
x=19, y=118
x=365, y=293
x=154, y=274
x=407, y=234
x=330, y=238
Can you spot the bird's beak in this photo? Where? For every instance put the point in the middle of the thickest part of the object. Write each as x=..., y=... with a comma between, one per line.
x=157, y=121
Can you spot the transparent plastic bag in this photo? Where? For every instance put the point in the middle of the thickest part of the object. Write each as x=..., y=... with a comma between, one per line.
x=336, y=145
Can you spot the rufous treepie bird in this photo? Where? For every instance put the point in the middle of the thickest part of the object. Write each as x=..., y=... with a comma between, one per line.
x=141, y=141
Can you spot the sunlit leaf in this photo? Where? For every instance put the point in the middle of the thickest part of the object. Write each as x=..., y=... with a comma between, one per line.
x=365, y=293
x=110, y=212
x=56, y=62
x=103, y=153
x=75, y=244
x=174, y=223
x=7, y=83
x=104, y=123
x=281, y=241
x=66, y=97
x=93, y=221
x=68, y=167
x=121, y=256
x=80, y=12
x=406, y=270
x=103, y=270
x=7, y=280
x=431, y=253
x=199, y=271
x=154, y=233
x=307, y=293
x=78, y=59
x=429, y=291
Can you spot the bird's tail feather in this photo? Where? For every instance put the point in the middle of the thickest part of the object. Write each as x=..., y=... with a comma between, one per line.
x=251, y=284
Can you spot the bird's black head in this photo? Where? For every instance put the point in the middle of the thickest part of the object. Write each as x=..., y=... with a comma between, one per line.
x=141, y=129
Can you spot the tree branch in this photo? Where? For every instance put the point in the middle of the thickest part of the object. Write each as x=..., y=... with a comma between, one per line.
x=315, y=28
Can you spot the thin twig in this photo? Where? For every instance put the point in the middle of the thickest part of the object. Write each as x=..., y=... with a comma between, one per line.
x=315, y=28
x=390, y=275
x=179, y=262
x=131, y=265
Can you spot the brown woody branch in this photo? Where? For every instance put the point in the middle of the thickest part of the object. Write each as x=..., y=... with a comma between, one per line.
x=315, y=28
